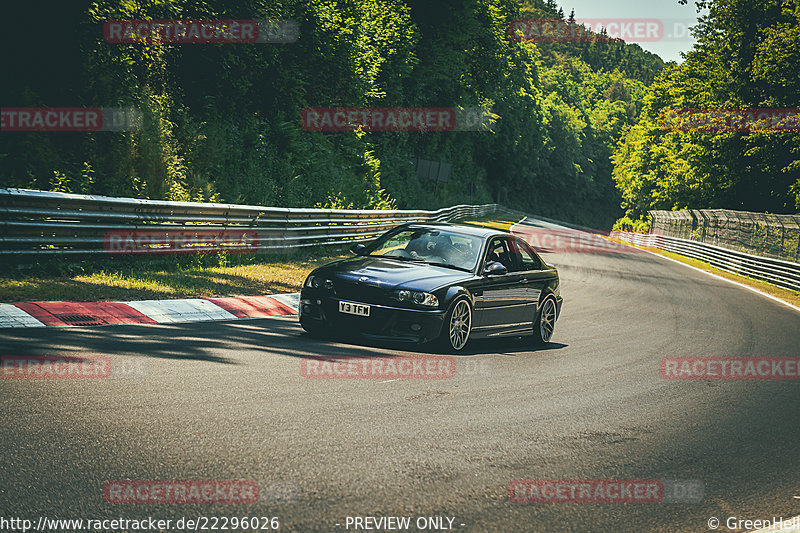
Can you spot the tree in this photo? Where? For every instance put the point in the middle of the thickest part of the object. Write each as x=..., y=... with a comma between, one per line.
x=746, y=57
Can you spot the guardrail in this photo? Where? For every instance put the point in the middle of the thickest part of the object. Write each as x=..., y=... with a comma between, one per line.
x=764, y=234
x=40, y=222
x=784, y=274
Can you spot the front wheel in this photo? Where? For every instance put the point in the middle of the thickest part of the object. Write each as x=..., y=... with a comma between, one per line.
x=545, y=323
x=457, y=326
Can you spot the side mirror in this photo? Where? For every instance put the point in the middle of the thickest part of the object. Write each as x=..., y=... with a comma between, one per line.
x=493, y=268
x=358, y=249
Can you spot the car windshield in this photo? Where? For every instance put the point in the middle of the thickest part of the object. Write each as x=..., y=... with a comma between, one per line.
x=432, y=246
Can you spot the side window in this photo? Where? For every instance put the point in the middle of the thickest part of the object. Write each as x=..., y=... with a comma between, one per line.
x=515, y=256
x=498, y=251
x=528, y=258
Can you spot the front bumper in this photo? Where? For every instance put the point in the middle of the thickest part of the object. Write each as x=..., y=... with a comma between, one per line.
x=384, y=323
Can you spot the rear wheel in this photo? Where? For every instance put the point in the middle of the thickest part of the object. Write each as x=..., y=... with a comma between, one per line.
x=545, y=323
x=457, y=326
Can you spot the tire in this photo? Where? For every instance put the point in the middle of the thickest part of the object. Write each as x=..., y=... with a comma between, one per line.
x=545, y=322
x=457, y=326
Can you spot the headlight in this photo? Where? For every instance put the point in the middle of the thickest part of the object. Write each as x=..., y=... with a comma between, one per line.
x=318, y=282
x=416, y=297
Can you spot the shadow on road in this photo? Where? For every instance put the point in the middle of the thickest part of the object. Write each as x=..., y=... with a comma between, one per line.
x=504, y=345
x=205, y=341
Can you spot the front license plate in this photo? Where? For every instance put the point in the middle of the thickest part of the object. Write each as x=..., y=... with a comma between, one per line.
x=353, y=309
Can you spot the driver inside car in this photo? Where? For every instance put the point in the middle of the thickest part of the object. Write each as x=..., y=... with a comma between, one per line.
x=436, y=248
x=430, y=246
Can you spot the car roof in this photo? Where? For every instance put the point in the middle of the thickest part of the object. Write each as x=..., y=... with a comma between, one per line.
x=465, y=229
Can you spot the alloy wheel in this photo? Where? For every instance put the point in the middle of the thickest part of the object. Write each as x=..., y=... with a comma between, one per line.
x=460, y=324
x=547, y=320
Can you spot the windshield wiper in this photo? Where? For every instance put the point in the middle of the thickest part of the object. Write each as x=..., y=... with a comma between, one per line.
x=399, y=258
x=448, y=265
x=419, y=260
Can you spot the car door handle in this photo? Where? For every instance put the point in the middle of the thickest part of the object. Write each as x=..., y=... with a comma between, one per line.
x=524, y=280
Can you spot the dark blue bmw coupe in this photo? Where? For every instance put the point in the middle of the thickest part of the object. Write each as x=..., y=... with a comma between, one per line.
x=435, y=282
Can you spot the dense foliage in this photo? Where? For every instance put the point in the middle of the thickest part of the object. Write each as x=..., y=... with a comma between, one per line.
x=747, y=56
x=221, y=121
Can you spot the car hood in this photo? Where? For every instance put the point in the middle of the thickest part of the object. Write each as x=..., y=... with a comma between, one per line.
x=392, y=273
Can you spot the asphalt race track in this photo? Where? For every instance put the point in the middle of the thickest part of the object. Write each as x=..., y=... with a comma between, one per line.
x=227, y=401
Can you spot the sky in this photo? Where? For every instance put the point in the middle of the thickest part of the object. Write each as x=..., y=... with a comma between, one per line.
x=667, y=14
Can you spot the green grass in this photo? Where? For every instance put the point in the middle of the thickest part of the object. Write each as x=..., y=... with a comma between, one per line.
x=166, y=279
